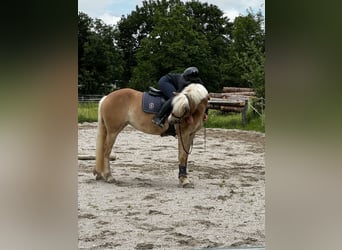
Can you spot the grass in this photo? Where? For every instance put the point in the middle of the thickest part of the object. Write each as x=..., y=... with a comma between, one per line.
x=87, y=112
x=218, y=119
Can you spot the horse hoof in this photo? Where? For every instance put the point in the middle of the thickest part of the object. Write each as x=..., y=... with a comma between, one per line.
x=188, y=185
x=98, y=176
x=185, y=183
x=110, y=179
x=95, y=172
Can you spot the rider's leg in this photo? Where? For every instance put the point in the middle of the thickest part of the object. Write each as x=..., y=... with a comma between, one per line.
x=165, y=110
x=166, y=86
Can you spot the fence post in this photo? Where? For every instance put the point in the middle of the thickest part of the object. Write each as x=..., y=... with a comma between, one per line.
x=262, y=111
x=244, y=112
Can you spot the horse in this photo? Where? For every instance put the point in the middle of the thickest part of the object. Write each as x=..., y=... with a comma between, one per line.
x=124, y=106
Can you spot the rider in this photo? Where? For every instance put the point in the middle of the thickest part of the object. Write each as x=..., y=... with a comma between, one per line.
x=171, y=83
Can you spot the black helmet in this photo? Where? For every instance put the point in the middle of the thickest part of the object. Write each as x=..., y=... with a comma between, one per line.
x=190, y=73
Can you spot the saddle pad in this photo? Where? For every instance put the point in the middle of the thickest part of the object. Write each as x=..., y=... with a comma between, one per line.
x=151, y=104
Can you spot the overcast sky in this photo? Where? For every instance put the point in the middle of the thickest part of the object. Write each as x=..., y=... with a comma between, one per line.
x=110, y=11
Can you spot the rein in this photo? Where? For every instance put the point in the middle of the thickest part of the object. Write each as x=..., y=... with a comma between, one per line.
x=181, y=138
x=179, y=125
x=180, y=118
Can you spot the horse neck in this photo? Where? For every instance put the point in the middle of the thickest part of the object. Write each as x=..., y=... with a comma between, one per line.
x=202, y=105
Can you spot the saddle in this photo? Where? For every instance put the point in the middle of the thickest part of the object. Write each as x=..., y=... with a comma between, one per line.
x=155, y=92
x=152, y=101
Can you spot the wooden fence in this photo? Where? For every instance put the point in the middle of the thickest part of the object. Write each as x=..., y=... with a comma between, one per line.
x=232, y=99
x=90, y=98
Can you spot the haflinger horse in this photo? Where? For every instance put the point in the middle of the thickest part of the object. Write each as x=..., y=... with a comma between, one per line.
x=124, y=106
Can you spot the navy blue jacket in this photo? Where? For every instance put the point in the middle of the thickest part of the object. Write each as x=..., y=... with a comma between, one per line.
x=173, y=82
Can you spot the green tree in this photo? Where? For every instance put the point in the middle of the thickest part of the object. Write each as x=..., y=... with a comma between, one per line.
x=247, y=53
x=164, y=36
x=167, y=36
x=130, y=31
x=100, y=62
x=173, y=45
x=209, y=20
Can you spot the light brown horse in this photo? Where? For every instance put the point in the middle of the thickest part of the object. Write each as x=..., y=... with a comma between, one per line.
x=124, y=106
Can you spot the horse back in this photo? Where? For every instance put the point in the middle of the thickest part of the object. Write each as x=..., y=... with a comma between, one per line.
x=118, y=104
x=127, y=92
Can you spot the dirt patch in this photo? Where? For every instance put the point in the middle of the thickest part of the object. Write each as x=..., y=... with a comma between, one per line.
x=145, y=208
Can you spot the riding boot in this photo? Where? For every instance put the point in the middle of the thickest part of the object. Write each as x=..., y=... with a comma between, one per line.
x=163, y=113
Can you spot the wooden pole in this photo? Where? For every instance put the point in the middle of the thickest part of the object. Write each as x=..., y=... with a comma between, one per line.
x=243, y=113
x=235, y=89
x=92, y=157
x=231, y=109
x=234, y=94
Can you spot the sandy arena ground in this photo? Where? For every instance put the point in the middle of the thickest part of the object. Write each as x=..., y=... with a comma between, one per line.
x=145, y=208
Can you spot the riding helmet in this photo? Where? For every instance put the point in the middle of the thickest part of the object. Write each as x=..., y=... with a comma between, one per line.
x=190, y=73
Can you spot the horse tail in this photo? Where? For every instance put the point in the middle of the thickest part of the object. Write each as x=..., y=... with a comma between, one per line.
x=100, y=140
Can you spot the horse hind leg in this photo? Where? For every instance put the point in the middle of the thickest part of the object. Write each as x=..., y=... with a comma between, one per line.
x=104, y=144
x=102, y=168
x=106, y=174
x=100, y=144
x=104, y=148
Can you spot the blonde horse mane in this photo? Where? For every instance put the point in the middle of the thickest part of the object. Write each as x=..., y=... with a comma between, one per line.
x=195, y=92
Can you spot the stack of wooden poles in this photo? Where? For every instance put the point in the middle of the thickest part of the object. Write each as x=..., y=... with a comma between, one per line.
x=233, y=99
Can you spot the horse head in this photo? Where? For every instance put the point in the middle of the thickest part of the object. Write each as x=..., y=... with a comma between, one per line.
x=185, y=103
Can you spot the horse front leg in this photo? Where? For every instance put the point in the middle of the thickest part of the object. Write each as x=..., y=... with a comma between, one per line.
x=184, y=144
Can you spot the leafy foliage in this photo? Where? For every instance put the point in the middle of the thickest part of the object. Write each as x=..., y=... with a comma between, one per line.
x=98, y=59
x=168, y=36
x=248, y=53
